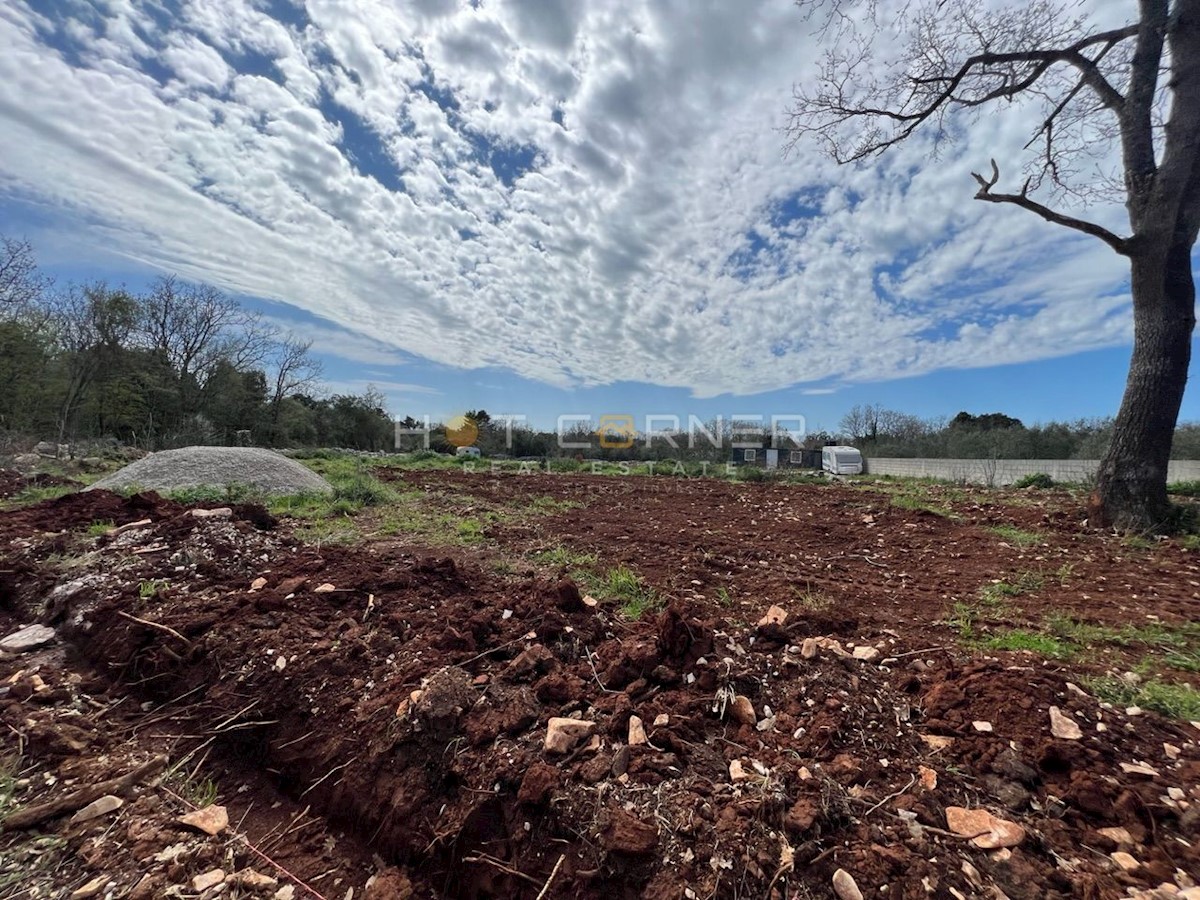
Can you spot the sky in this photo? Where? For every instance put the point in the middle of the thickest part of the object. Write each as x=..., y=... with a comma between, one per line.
x=547, y=207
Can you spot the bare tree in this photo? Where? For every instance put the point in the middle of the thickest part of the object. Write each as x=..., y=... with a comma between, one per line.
x=295, y=371
x=20, y=282
x=194, y=326
x=861, y=423
x=1133, y=89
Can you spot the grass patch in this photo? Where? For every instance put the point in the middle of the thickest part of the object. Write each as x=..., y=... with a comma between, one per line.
x=147, y=590
x=811, y=599
x=1034, y=480
x=1016, y=537
x=1184, y=489
x=1138, y=542
x=548, y=504
x=31, y=495
x=1180, y=701
x=96, y=529
x=623, y=586
x=1032, y=642
x=564, y=558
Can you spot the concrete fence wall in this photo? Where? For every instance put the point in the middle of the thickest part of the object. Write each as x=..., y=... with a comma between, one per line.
x=1006, y=471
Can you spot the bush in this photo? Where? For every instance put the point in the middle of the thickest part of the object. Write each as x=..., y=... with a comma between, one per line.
x=1184, y=488
x=1035, y=480
x=752, y=473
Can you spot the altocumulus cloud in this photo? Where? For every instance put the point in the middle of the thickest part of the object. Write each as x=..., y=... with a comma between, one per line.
x=580, y=193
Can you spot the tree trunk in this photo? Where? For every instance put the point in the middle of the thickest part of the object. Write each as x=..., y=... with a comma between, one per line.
x=1131, y=489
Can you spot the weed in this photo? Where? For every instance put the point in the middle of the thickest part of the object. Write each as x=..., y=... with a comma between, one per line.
x=1181, y=701
x=1184, y=488
x=624, y=586
x=724, y=597
x=811, y=599
x=1138, y=542
x=550, y=504
x=1190, y=542
x=98, y=528
x=200, y=792
x=1030, y=641
x=150, y=589
x=564, y=558
x=31, y=495
x=1034, y=480
x=1016, y=537
x=995, y=593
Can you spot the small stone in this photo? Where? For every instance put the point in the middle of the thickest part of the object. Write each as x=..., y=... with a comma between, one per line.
x=211, y=878
x=1133, y=710
x=223, y=512
x=845, y=887
x=982, y=726
x=258, y=584
x=325, y=588
x=1176, y=794
x=1125, y=861
x=1139, y=769
x=637, y=732
x=927, y=777
x=808, y=649
x=212, y=820
x=987, y=832
x=1171, y=751
x=661, y=720
x=741, y=710
x=98, y=808
x=936, y=741
x=776, y=615
x=1063, y=726
x=91, y=889
x=563, y=734
x=590, y=601
x=287, y=892
x=249, y=878
x=865, y=654
x=28, y=638
x=281, y=662
x=737, y=772
x=1120, y=836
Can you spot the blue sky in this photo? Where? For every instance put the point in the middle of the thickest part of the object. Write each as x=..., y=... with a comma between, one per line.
x=543, y=207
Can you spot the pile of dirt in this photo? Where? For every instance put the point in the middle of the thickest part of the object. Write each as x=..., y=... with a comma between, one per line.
x=427, y=723
x=194, y=467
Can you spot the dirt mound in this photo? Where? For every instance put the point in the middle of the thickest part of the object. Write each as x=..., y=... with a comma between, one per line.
x=192, y=467
x=468, y=730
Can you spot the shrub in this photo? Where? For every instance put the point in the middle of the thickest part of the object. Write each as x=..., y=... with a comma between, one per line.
x=1034, y=480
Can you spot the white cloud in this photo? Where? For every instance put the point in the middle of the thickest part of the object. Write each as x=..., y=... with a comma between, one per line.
x=645, y=243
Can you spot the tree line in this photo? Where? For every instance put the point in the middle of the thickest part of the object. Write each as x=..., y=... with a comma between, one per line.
x=177, y=364
x=882, y=432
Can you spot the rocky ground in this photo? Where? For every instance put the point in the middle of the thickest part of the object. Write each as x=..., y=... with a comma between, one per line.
x=651, y=688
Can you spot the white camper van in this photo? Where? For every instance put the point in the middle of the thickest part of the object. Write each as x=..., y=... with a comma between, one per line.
x=841, y=460
x=470, y=452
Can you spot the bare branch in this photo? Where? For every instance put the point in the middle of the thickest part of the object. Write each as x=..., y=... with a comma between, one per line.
x=1121, y=245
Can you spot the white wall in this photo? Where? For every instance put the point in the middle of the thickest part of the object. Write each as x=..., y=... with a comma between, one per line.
x=1006, y=471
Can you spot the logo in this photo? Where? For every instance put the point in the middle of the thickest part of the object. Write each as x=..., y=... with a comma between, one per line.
x=462, y=432
x=617, y=432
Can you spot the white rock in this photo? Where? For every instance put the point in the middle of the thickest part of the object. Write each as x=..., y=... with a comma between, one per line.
x=982, y=726
x=91, y=889
x=776, y=615
x=1063, y=726
x=211, y=878
x=845, y=887
x=563, y=734
x=212, y=820
x=637, y=732
x=661, y=720
x=1125, y=861
x=865, y=653
x=98, y=808
x=28, y=638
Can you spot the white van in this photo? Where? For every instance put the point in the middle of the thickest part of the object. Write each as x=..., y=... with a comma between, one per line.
x=841, y=460
x=472, y=452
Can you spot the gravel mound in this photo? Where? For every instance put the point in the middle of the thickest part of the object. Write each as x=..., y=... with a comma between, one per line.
x=192, y=467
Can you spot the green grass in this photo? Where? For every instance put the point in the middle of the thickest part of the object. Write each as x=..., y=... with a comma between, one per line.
x=1180, y=701
x=991, y=602
x=31, y=495
x=1184, y=489
x=996, y=593
x=1138, y=542
x=1035, y=480
x=96, y=529
x=564, y=558
x=623, y=586
x=1016, y=537
x=1032, y=642
x=1190, y=542
x=919, y=503
x=548, y=504
x=150, y=589
x=724, y=597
